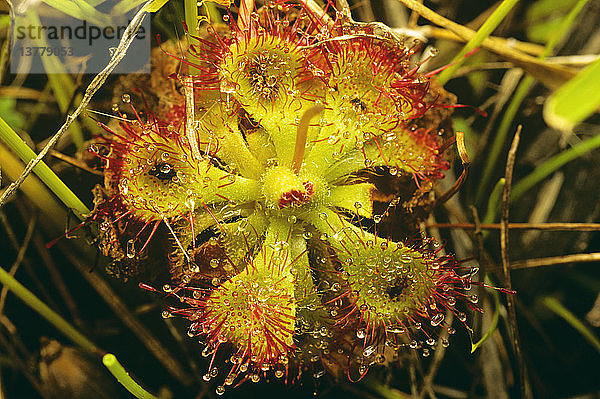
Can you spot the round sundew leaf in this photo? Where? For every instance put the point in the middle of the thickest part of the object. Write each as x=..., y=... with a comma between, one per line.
x=363, y=100
x=391, y=284
x=158, y=177
x=266, y=75
x=260, y=73
x=401, y=149
x=413, y=150
x=256, y=308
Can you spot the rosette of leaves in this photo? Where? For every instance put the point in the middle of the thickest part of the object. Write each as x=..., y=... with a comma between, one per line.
x=266, y=200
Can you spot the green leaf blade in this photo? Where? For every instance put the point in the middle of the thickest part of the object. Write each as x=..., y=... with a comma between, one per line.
x=575, y=100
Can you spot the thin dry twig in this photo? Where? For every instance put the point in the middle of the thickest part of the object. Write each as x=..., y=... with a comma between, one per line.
x=521, y=226
x=489, y=358
x=365, y=10
x=181, y=341
x=514, y=332
x=16, y=341
x=413, y=380
x=579, y=60
x=446, y=34
x=128, y=37
x=496, y=387
x=469, y=69
x=57, y=280
x=414, y=17
x=505, y=91
x=10, y=233
x=462, y=152
x=20, y=256
x=12, y=238
x=555, y=260
x=75, y=162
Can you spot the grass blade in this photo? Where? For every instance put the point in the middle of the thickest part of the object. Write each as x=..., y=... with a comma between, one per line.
x=109, y=360
x=156, y=5
x=113, y=365
x=40, y=307
x=46, y=174
x=553, y=164
x=554, y=305
x=575, y=100
x=539, y=174
x=493, y=205
x=486, y=29
x=493, y=324
x=517, y=100
x=192, y=22
x=80, y=10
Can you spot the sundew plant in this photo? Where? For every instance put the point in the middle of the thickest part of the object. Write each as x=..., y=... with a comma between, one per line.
x=292, y=112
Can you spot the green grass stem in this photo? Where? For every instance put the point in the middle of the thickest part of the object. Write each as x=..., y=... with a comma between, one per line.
x=155, y=5
x=493, y=205
x=82, y=9
x=212, y=12
x=40, y=307
x=515, y=103
x=124, y=6
x=54, y=214
x=552, y=165
x=62, y=191
x=495, y=317
x=554, y=305
x=486, y=29
x=490, y=215
x=565, y=25
x=109, y=360
x=540, y=173
x=575, y=100
x=113, y=365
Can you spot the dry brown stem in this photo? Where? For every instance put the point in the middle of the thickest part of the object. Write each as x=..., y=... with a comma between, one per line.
x=521, y=226
x=122, y=311
x=555, y=260
x=510, y=300
x=551, y=75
